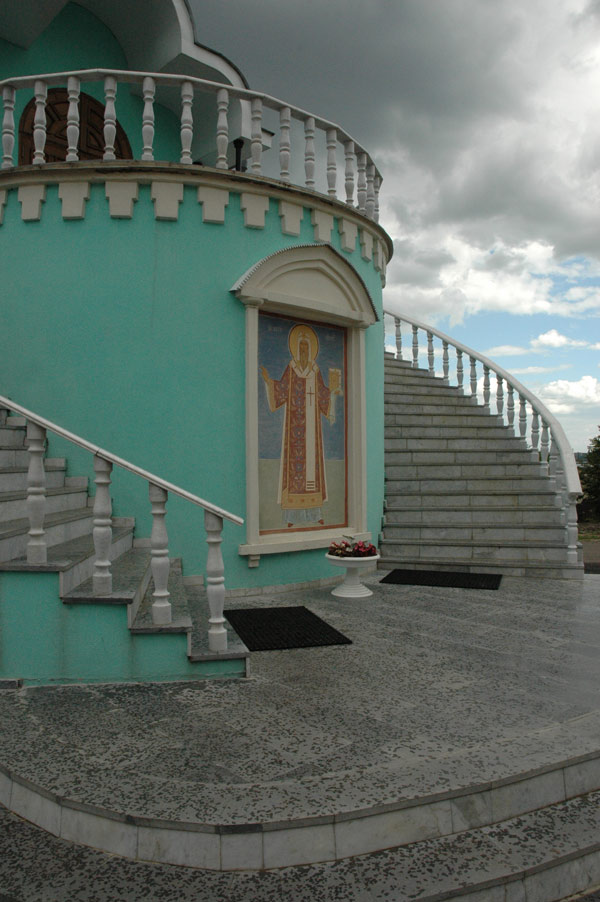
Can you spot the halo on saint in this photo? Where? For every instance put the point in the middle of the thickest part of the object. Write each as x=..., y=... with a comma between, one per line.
x=302, y=332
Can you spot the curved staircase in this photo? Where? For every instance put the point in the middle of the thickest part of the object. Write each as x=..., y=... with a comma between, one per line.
x=462, y=491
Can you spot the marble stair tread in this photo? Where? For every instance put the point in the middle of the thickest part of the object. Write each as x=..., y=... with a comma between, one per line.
x=199, y=648
x=181, y=621
x=58, y=490
x=128, y=571
x=65, y=555
x=10, y=528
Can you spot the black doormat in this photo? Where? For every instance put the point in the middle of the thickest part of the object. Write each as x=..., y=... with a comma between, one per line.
x=445, y=578
x=592, y=567
x=270, y=629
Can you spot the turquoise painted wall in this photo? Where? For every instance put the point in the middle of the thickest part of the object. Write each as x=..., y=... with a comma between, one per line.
x=76, y=39
x=125, y=332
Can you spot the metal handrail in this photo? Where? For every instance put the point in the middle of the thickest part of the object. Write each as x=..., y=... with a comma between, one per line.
x=118, y=461
x=572, y=482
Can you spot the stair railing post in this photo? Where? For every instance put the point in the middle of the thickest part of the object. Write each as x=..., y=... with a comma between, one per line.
x=398, y=330
x=522, y=417
x=544, y=449
x=37, y=552
x=102, y=531
x=510, y=409
x=331, y=144
x=460, y=374
x=350, y=162
x=572, y=533
x=415, y=346
x=473, y=377
x=500, y=396
x=160, y=564
x=309, y=151
x=430, y=356
x=535, y=430
x=285, y=144
x=445, y=362
x=486, y=388
x=215, y=582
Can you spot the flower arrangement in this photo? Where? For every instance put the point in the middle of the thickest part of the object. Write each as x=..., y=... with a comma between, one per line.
x=352, y=549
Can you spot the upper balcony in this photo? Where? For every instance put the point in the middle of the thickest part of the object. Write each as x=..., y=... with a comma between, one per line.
x=146, y=118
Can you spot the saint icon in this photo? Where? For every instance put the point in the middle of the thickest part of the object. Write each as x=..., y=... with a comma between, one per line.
x=306, y=397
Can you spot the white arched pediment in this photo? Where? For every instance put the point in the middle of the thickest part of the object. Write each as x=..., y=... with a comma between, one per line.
x=310, y=280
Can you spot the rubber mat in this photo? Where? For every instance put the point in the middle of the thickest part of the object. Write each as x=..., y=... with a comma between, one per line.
x=273, y=629
x=445, y=578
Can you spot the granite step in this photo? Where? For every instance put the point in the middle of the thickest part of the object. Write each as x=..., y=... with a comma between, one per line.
x=481, y=533
x=404, y=515
x=447, y=407
x=463, y=443
x=518, y=569
x=481, y=430
x=436, y=470
x=14, y=479
x=12, y=436
x=13, y=505
x=489, y=551
x=482, y=485
x=451, y=499
x=475, y=419
x=131, y=576
x=59, y=527
x=181, y=621
x=480, y=456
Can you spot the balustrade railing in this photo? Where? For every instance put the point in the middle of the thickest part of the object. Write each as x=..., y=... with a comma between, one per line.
x=159, y=490
x=340, y=152
x=516, y=407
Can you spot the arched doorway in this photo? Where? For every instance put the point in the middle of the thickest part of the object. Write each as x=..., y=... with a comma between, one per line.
x=91, y=130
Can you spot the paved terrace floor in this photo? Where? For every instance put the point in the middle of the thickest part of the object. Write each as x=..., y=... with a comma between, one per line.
x=441, y=688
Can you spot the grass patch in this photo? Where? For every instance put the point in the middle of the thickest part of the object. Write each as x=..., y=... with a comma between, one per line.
x=589, y=531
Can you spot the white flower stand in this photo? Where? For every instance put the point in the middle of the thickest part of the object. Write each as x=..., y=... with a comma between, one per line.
x=352, y=586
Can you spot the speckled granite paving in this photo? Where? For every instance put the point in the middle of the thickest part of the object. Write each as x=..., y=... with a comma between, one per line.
x=441, y=689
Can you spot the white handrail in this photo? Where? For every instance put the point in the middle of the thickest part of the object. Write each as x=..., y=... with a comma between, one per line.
x=118, y=461
x=571, y=475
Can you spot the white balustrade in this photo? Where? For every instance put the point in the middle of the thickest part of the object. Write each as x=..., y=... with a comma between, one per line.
x=544, y=447
x=110, y=117
x=8, y=126
x=522, y=417
x=160, y=564
x=148, y=90
x=285, y=144
x=331, y=139
x=535, y=430
x=36, y=494
x=415, y=346
x=187, y=124
x=445, y=362
x=309, y=151
x=215, y=582
x=39, y=122
x=510, y=408
x=430, y=356
x=256, y=136
x=73, y=120
x=486, y=389
x=102, y=530
x=500, y=396
x=361, y=179
x=398, y=340
x=460, y=374
x=473, y=377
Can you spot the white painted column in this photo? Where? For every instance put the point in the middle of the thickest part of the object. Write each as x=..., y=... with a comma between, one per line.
x=499, y=396
x=39, y=122
x=349, y=173
x=36, y=495
x=256, y=136
x=378, y=181
x=535, y=430
x=102, y=531
x=510, y=409
x=361, y=187
x=430, y=357
x=331, y=141
x=215, y=582
x=222, y=127
x=398, y=331
x=110, y=117
x=8, y=126
x=522, y=417
x=148, y=89
x=445, y=362
x=252, y=500
x=544, y=450
x=187, y=123
x=285, y=145
x=460, y=373
x=486, y=388
x=370, y=202
x=473, y=377
x=309, y=151
x=415, y=346
x=73, y=119
x=572, y=534
x=160, y=564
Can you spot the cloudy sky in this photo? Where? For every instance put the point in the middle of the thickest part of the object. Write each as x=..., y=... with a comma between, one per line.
x=483, y=118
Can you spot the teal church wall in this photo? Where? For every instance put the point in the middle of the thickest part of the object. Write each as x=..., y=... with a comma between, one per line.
x=126, y=333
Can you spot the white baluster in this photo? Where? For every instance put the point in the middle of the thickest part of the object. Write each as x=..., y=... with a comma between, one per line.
x=430, y=357
x=36, y=495
x=370, y=201
x=73, y=119
x=285, y=144
x=473, y=377
x=102, y=532
x=187, y=124
x=349, y=173
x=331, y=141
x=572, y=533
x=159, y=543
x=522, y=417
x=415, y=346
x=222, y=127
x=552, y=458
x=535, y=430
x=309, y=151
x=510, y=409
x=110, y=117
x=148, y=89
x=39, y=122
x=460, y=373
x=445, y=362
x=398, y=325
x=361, y=187
x=499, y=396
x=215, y=582
x=8, y=126
x=378, y=181
x=486, y=388
x=544, y=450
x=256, y=136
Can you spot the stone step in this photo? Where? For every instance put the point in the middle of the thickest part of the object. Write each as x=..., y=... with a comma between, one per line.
x=131, y=575
x=418, y=456
x=404, y=515
x=476, y=419
x=73, y=559
x=518, y=569
x=429, y=471
x=417, y=394
x=467, y=444
x=452, y=406
x=481, y=534
x=14, y=479
x=13, y=505
x=465, y=551
x=450, y=500
x=12, y=456
x=181, y=622
x=59, y=527
x=467, y=485
x=480, y=430
x=12, y=436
